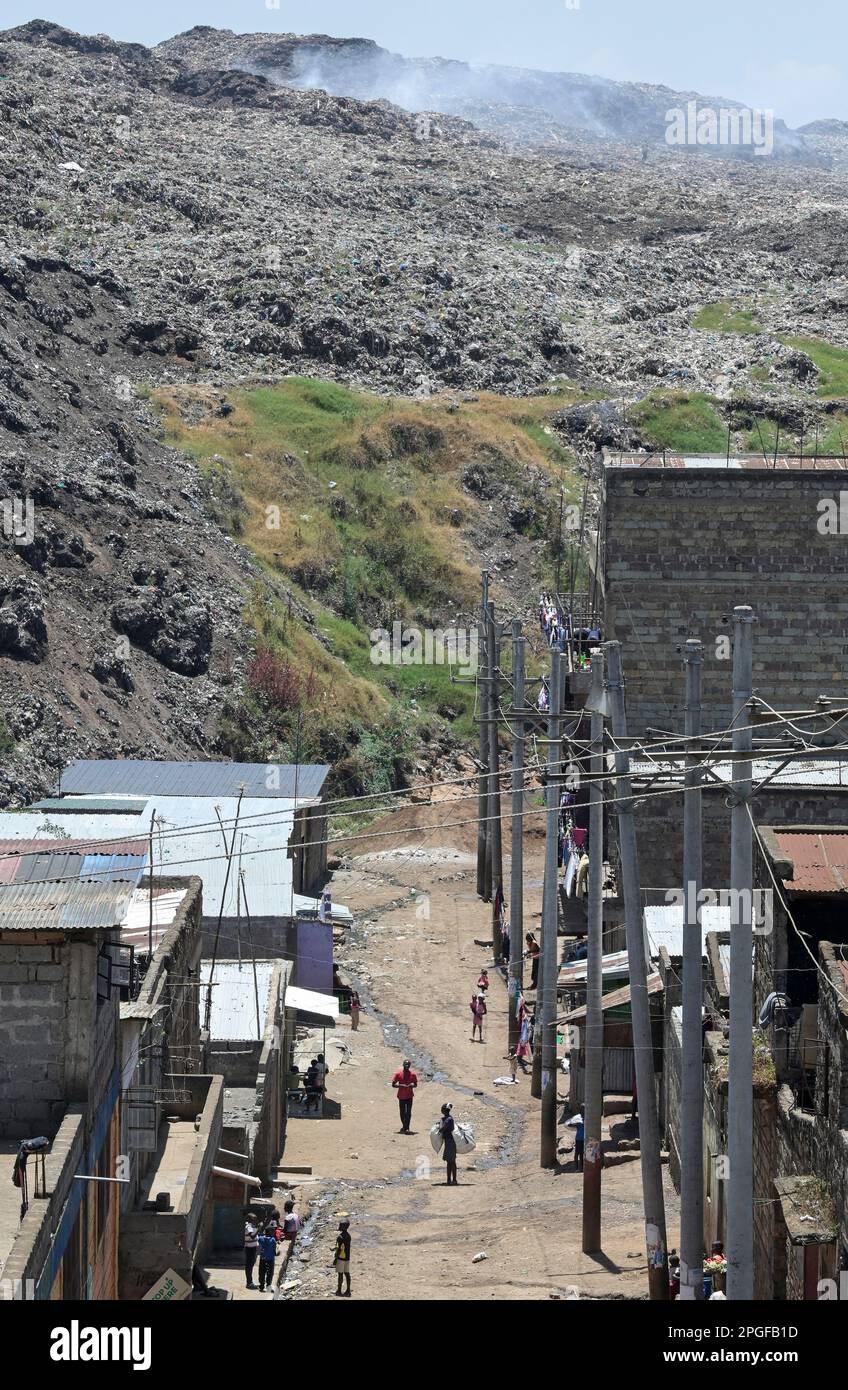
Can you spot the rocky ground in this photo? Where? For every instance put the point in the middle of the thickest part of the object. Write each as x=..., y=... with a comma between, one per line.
x=170, y=218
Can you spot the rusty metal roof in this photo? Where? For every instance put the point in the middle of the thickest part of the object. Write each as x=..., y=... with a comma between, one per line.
x=819, y=860
x=77, y=906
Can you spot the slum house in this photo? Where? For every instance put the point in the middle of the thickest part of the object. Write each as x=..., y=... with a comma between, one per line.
x=801, y=978
x=232, y=825
x=663, y=925
x=60, y=1083
x=257, y=1017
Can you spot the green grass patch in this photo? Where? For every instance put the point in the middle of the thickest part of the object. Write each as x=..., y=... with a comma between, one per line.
x=723, y=317
x=832, y=363
x=687, y=423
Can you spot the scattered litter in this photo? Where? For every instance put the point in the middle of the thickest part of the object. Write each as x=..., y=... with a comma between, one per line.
x=505, y=1081
x=481, y=1255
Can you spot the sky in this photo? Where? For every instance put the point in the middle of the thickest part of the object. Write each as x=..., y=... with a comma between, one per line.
x=788, y=56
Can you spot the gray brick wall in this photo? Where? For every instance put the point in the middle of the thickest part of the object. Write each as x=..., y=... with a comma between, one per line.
x=682, y=547
x=32, y=1054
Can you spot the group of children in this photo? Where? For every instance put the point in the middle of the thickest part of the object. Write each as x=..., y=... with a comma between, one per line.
x=262, y=1242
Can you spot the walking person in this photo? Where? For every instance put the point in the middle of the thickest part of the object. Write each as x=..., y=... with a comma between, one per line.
x=478, y=1013
x=355, y=1006
x=446, y=1128
x=341, y=1258
x=405, y=1082
x=267, y=1256
x=483, y=982
x=251, y=1250
x=578, y=1122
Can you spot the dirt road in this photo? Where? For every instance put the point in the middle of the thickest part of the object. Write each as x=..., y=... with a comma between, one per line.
x=414, y=958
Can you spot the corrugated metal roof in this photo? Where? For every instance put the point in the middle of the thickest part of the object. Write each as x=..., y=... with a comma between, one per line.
x=614, y=1000
x=819, y=862
x=199, y=779
x=824, y=772
x=95, y=805
x=135, y=930
x=38, y=861
x=233, y=1016
x=76, y=906
x=79, y=829
x=664, y=926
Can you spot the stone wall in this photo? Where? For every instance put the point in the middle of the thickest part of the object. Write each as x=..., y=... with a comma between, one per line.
x=676, y=561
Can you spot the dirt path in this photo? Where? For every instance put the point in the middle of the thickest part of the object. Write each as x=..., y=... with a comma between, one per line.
x=414, y=957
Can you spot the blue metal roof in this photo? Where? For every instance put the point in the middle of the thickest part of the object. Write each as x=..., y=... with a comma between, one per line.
x=92, y=805
x=131, y=777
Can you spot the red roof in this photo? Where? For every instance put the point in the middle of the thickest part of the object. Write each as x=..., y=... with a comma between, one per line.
x=819, y=862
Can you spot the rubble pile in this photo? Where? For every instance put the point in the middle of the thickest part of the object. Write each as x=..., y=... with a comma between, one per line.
x=172, y=218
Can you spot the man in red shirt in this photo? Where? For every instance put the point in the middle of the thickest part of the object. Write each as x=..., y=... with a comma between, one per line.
x=404, y=1082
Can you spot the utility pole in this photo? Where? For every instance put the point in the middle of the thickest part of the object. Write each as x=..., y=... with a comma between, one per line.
x=150, y=896
x=495, y=841
x=516, y=874
x=547, y=992
x=640, y=1013
x=483, y=782
x=692, y=1060
x=593, y=1097
x=740, y=1105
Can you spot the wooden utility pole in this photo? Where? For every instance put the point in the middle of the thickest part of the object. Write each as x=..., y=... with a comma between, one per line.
x=516, y=874
x=495, y=840
x=208, y=1010
x=740, y=1203
x=547, y=993
x=692, y=1051
x=593, y=1087
x=640, y=1012
x=483, y=782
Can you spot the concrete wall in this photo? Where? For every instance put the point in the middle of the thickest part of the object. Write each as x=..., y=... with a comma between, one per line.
x=151, y=1242
x=676, y=560
x=58, y=1042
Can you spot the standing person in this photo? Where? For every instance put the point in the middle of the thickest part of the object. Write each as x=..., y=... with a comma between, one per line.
x=341, y=1257
x=291, y=1221
x=267, y=1256
x=483, y=982
x=322, y=1069
x=578, y=1122
x=478, y=1013
x=405, y=1082
x=251, y=1250
x=446, y=1128
x=355, y=1006
x=523, y=1047
x=533, y=950
x=312, y=1082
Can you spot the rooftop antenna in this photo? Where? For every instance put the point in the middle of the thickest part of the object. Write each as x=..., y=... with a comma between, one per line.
x=728, y=444
x=776, y=442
